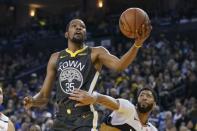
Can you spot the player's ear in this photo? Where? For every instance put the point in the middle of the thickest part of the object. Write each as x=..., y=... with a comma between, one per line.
x=85, y=36
x=66, y=35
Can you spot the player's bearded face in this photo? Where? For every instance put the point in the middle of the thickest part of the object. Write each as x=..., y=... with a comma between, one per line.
x=144, y=108
x=145, y=101
x=77, y=32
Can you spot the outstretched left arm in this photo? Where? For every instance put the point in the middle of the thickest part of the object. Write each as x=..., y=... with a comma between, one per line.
x=84, y=98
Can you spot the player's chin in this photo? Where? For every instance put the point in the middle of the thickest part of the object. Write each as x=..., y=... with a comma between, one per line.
x=143, y=107
x=144, y=104
x=78, y=36
x=79, y=40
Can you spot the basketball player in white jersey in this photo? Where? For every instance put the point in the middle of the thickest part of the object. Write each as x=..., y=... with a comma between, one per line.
x=5, y=123
x=125, y=115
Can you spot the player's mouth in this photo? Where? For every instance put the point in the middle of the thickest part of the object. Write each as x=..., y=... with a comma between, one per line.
x=78, y=33
x=144, y=104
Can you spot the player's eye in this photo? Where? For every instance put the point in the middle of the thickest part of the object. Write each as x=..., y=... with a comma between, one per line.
x=83, y=26
x=148, y=95
x=74, y=25
x=141, y=95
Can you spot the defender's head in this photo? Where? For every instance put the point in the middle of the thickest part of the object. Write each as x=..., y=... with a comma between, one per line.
x=146, y=100
x=76, y=31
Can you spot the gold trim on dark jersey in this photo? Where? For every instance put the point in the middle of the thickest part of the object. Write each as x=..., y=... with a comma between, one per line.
x=74, y=54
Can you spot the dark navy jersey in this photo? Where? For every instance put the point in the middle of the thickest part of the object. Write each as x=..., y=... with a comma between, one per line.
x=74, y=71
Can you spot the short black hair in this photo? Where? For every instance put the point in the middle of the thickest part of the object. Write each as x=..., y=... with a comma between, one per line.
x=148, y=89
x=67, y=26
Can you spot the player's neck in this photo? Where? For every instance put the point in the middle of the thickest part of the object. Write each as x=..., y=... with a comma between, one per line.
x=143, y=117
x=74, y=47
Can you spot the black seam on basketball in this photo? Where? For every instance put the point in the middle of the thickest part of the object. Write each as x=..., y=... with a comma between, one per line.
x=127, y=23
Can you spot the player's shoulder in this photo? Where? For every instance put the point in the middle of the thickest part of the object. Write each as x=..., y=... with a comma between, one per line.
x=55, y=54
x=99, y=49
x=153, y=128
x=54, y=58
x=4, y=117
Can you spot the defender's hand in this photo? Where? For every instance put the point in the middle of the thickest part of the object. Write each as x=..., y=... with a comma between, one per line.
x=83, y=97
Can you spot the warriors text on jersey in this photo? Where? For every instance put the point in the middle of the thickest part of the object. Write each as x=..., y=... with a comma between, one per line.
x=126, y=118
x=75, y=71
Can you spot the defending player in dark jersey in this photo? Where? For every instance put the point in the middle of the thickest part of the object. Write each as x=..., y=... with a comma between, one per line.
x=78, y=67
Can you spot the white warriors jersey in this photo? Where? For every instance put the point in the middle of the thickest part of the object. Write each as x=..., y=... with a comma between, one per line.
x=3, y=122
x=126, y=118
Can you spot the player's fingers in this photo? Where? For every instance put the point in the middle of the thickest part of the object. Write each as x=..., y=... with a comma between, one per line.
x=149, y=28
x=74, y=94
x=137, y=33
x=143, y=30
x=74, y=98
x=79, y=96
x=77, y=91
x=146, y=28
x=80, y=92
x=140, y=32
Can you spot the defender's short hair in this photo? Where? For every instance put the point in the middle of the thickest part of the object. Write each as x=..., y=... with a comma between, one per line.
x=148, y=89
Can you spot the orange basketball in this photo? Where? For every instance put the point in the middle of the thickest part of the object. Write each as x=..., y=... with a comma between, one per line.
x=131, y=20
